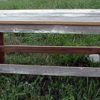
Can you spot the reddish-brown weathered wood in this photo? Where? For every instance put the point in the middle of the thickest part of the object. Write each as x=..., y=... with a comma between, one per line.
x=1, y=51
x=51, y=49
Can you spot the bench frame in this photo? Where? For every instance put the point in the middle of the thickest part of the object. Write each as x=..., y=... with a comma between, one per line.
x=48, y=70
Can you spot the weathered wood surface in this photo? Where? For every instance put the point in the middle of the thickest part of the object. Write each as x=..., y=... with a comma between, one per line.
x=62, y=29
x=50, y=70
x=55, y=17
x=50, y=49
x=50, y=21
x=53, y=21
x=1, y=51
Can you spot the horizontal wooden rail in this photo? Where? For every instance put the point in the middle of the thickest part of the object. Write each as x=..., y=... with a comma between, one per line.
x=50, y=21
x=62, y=29
x=50, y=49
x=52, y=17
x=50, y=70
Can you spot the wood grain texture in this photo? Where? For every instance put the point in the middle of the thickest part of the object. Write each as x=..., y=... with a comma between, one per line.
x=50, y=70
x=59, y=29
x=45, y=21
x=51, y=17
x=50, y=49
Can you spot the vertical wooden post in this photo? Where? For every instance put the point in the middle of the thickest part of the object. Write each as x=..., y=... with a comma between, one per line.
x=1, y=52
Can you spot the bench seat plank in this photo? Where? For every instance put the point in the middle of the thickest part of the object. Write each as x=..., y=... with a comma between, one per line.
x=56, y=17
x=49, y=70
x=67, y=21
x=55, y=29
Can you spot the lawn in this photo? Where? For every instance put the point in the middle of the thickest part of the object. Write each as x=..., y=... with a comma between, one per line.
x=23, y=87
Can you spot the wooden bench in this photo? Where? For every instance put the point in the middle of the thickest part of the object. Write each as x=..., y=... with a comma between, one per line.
x=49, y=21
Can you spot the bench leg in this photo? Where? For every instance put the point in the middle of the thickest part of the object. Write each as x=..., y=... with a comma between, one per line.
x=1, y=52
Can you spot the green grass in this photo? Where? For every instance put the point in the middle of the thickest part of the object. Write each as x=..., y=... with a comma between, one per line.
x=23, y=87
x=48, y=4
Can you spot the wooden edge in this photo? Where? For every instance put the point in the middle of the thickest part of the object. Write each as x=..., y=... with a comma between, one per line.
x=49, y=23
x=50, y=49
x=50, y=10
x=49, y=70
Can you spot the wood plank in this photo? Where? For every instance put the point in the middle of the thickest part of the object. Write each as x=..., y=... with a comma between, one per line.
x=51, y=49
x=1, y=51
x=51, y=17
x=49, y=70
x=59, y=29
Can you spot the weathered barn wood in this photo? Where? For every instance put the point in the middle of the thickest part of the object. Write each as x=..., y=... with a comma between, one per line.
x=49, y=21
x=50, y=49
x=62, y=29
x=56, y=17
x=50, y=70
